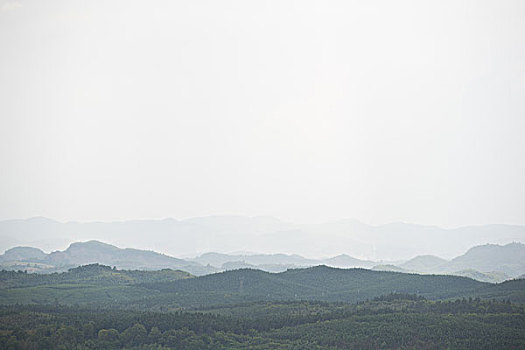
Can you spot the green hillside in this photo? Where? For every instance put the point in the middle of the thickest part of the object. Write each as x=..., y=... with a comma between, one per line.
x=93, y=274
x=90, y=284
x=99, y=307
x=319, y=283
x=173, y=290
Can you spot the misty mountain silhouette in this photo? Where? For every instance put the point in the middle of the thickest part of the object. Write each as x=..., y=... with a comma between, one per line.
x=191, y=237
x=84, y=253
x=490, y=263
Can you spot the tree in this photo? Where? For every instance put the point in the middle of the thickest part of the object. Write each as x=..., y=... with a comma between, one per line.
x=134, y=335
x=108, y=337
x=154, y=335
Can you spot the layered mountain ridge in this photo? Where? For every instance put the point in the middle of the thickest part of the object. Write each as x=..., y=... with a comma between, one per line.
x=190, y=237
x=488, y=263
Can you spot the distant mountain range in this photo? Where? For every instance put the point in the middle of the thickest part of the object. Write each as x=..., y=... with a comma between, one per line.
x=191, y=237
x=488, y=263
x=84, y=253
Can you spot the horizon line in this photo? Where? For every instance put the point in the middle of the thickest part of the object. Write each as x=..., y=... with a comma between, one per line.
x=254, y=217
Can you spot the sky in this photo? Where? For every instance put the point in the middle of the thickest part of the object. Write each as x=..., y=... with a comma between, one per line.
x=308, y=111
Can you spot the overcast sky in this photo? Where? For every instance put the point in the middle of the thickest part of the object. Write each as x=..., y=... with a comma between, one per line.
x=308, y=111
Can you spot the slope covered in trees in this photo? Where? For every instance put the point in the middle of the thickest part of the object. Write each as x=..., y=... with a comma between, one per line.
x=99, y=307
x=393, y=321
x=320, y=283
x=171, y=290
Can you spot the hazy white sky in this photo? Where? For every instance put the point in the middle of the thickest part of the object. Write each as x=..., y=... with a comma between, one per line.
x=304, y=110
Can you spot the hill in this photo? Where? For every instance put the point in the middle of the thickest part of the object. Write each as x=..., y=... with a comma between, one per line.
x=318, y=283
x=389, y=267
x=103, y=286
x=95, y=252
x=22, y=253
x=83, y=253
x=345, y=261
x=509, y=259
x=424, y=263
x=255, y=260
x=89, y=274
x=492, y=277
x=489, y=263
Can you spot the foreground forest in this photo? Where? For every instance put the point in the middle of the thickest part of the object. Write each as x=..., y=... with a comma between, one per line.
x=396, y=321
x=99, y=307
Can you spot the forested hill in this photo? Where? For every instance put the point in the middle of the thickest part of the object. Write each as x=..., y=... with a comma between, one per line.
x=170, y=290
x=94, y=274
x=323, y=283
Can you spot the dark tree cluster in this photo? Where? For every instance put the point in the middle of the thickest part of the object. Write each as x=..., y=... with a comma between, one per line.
x=395, y=321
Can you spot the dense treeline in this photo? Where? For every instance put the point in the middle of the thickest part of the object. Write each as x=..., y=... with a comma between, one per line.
x=99, y=307
x=323, y=283
x=392, y=321
x=169, y=290
x=94, y=273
